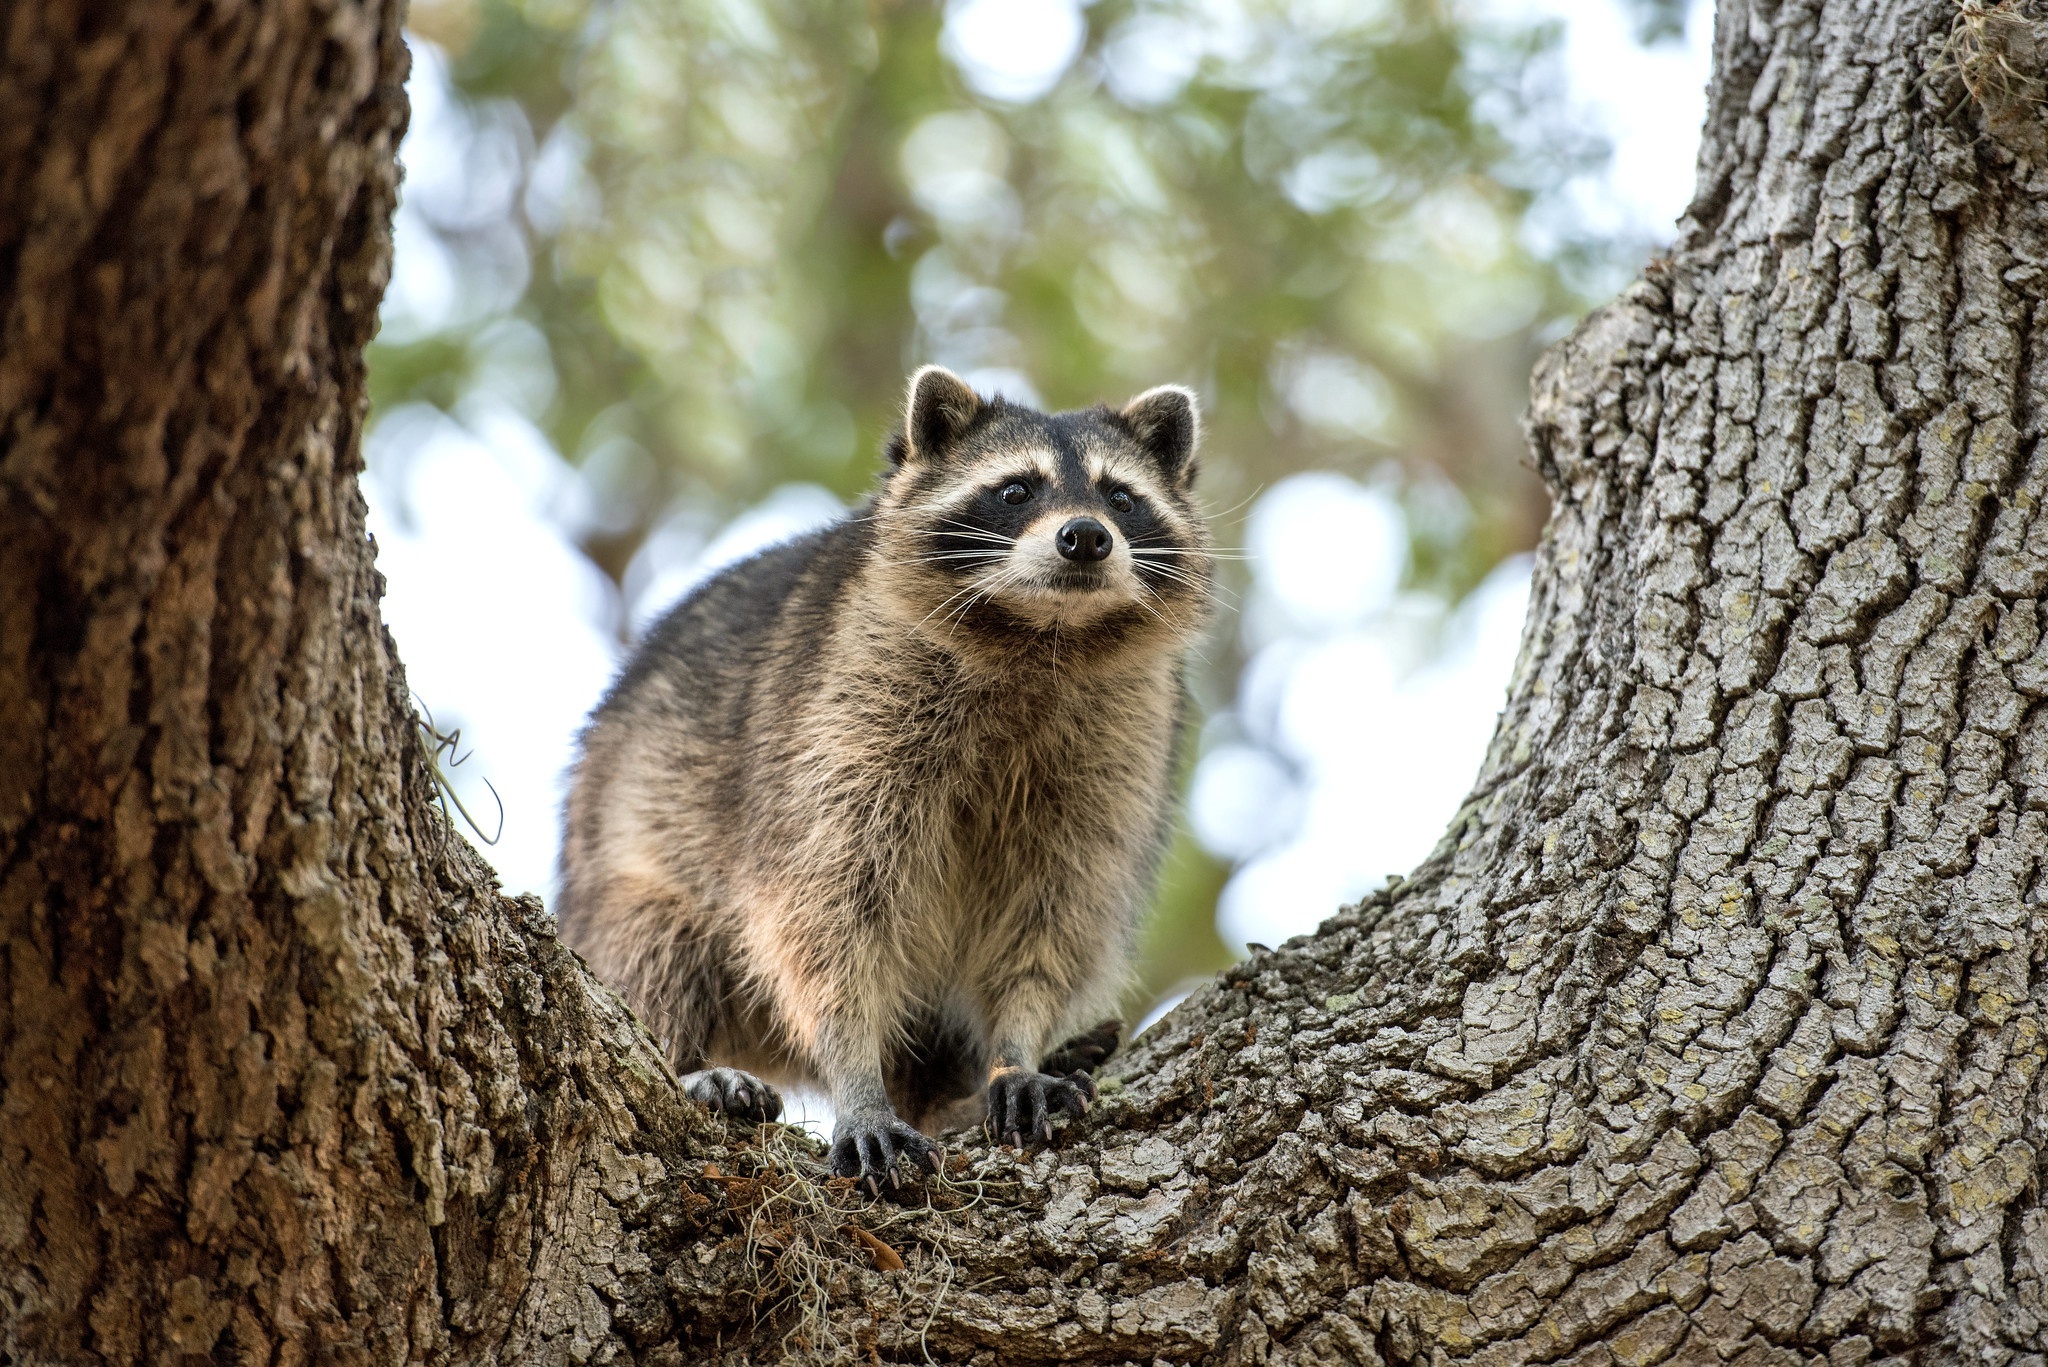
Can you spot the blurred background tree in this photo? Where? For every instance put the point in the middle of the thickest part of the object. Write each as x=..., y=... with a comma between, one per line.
x=663, y=265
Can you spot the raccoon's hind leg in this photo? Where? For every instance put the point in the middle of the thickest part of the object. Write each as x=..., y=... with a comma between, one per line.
x=687, y=1006
x=677, y=985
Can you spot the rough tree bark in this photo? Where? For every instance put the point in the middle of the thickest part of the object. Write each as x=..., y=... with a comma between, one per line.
x=1712, y=1030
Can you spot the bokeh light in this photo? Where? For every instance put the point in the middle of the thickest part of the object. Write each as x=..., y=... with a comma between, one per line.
x=662, y=265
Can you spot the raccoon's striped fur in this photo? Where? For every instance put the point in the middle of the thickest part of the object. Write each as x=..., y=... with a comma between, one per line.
x=878, y=809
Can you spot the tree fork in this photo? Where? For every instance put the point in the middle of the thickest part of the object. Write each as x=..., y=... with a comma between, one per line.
x=1711, y=1030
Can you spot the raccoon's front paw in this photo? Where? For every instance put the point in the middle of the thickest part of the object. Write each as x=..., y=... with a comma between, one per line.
x=1021, y=1105
x=735, y=1093
x=869, y=1147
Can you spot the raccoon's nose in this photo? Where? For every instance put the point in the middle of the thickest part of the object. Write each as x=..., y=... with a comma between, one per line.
x=1086, y=540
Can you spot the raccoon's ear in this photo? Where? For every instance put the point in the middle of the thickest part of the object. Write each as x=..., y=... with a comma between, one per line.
x=940, y=407
x=1166, y=421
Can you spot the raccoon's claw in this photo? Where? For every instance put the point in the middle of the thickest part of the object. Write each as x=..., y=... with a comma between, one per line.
x=870, y=1148
x=735, y=1093
x=1021, y=1103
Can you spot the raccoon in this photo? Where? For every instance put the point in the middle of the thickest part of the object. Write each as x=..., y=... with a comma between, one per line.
x=877, y=810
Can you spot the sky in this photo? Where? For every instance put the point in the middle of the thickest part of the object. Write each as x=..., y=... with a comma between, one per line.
x=509, y=633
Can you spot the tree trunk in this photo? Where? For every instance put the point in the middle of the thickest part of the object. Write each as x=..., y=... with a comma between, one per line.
x=1711, y=1030
x=281, y=1076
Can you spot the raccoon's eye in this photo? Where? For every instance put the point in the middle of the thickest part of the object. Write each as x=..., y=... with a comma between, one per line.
x=1120, y=499
x=1015, y=492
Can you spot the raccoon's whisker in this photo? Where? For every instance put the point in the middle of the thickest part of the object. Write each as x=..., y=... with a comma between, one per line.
x=971, y=558
x=989, y=584
x=1149, y=608
x=1196, y=649
x=959, y=614
x=969, y=529
x=1176, y=575
x=1163, y=563
x=975, y=536
x=949, y=598
x=1221, y=593
x=989, y=552
x=1173, y=620
x=978, y=582
x=1215, y=519
x=989, y=557
x=1173, y=573
x=1164, y=566
x=1153, y=589
x=929, y=557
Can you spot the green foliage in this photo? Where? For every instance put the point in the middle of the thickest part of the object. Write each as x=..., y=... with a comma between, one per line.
x=748, y=219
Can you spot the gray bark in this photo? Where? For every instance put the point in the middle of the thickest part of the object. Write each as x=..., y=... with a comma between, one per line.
x=1710, y=1032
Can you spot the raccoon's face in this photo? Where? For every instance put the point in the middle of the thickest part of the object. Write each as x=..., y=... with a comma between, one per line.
x=1004, y=517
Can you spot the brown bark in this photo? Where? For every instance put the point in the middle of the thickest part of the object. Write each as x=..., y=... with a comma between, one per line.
x=1710, y=1032
x=280, y=1075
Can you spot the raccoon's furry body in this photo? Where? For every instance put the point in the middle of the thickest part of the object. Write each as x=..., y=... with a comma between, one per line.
x=855, y=815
